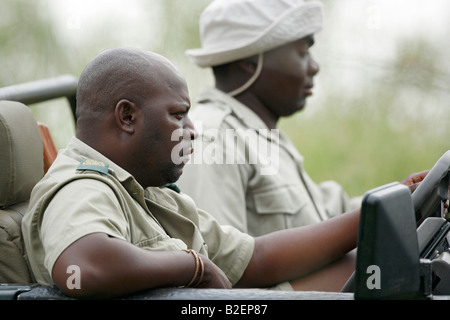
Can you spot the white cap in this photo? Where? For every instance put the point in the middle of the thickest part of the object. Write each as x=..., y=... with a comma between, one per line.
x=231, y=30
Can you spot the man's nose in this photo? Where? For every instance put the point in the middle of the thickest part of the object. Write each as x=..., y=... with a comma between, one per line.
x=313, y=67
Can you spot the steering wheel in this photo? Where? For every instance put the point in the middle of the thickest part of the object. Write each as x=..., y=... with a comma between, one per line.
x=428, y=199
x=430, y=196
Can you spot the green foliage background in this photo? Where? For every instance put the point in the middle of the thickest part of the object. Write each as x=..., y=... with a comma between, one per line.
x=373, y=119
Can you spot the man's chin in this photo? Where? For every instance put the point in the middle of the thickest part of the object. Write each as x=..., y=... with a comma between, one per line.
x=298, y=108
x=176, y=173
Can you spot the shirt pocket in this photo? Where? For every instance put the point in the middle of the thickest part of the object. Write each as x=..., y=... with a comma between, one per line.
x=279, y=200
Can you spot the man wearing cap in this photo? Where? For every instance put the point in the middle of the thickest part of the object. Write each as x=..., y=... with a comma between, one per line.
x=250, y=175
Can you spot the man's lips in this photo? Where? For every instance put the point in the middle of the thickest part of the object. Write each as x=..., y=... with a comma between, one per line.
x=308, y=90
x=186, y=151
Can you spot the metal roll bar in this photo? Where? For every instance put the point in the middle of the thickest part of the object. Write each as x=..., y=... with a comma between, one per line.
x=43, y=90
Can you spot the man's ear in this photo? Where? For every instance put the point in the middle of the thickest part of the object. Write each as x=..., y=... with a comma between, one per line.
x=126, y=115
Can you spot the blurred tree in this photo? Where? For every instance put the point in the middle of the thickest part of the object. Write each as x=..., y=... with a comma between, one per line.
x=178, y=27
x=418, y=64
x=395, y=125
x=29, y=49
x=176, y=30
x=389, y=120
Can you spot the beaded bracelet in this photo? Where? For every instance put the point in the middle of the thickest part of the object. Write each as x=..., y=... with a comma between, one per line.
x=199, y=267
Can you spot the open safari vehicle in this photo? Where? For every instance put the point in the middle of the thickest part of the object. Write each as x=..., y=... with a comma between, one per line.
x=403, y=245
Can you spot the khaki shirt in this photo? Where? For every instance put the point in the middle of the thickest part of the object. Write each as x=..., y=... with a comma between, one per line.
x=99, y=196
x=270, y=190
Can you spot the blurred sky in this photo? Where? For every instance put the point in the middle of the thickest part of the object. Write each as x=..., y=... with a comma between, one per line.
x=79, y=20
x=368, y=32
x=354, y=31
x=133, y=23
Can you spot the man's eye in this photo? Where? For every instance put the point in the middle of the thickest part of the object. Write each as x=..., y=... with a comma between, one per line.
x=304, y=54
x=180, y=114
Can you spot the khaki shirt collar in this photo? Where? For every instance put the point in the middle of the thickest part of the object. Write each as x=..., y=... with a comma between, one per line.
x=241, y=111
x=85, y=151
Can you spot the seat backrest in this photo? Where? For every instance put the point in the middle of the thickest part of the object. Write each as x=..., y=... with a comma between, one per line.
x=21, y=167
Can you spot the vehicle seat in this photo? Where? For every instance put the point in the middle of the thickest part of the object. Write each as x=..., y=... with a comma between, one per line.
x=21, y=167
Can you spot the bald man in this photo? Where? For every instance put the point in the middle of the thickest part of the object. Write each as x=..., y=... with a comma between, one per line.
x=106, y=220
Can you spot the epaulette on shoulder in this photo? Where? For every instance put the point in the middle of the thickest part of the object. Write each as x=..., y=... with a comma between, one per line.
x=172, y=186
x=93, y=165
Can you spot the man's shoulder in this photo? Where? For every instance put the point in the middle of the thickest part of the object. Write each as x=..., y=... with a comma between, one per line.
x=210, y=114
x=69, y=167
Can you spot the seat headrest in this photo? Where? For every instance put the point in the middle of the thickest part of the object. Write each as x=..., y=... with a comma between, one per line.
x=21, y=155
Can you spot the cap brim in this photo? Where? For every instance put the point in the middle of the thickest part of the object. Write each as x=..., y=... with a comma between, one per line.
x=295, y=24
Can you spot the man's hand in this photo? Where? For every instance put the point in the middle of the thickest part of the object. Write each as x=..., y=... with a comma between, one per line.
x=414, y=179
x=447, y=204
x=213, y=276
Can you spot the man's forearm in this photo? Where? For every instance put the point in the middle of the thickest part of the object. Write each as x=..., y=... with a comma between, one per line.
x=111, y=267
x=289, y=254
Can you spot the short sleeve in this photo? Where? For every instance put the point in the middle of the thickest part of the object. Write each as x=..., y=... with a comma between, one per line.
x=94, y=208
x=229, y=248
